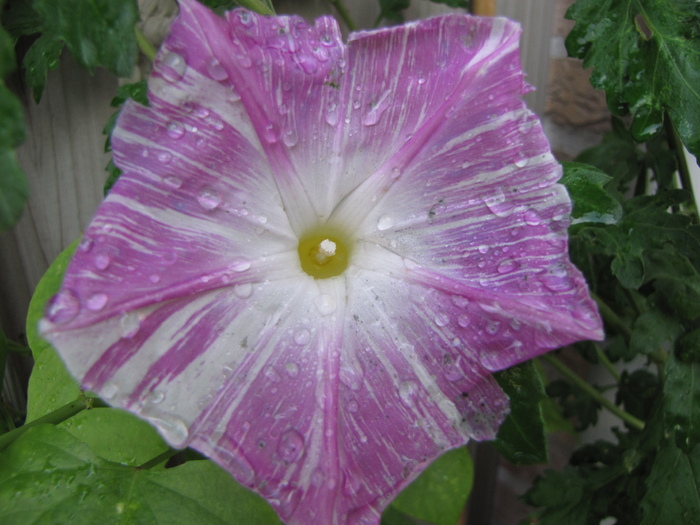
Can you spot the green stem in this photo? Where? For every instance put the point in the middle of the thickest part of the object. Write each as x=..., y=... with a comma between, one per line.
x=57, y=416
x=145, y=46
x=606, y=363
x=344, y=14
x=257, y=6
x=611, y=317
x=158, y=459
x=593, y=393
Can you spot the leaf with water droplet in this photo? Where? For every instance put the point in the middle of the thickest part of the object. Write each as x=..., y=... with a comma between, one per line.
x=592, y=203
x=48, y=471
x=522, y=438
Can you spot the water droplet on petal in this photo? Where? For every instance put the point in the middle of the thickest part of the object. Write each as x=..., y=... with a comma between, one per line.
x=129, y=325
x=352, y=406
x=372, y=117
x=172, y=181
x=492, y=327
x=102, y=261
x=302, y=336
x=164, y=157
x=460, y=301
x=271, y=133
x=442, y=319
x=498, y=204
x=216, y=70
x=156, y=397
x=290, y=446
x=272, y=375
x=174, y=67
x=208, y=198
x=86, y=244
x=463, y=320
x=521, y=163
x=407, y=392
x=239, y=264
x=175, y=130
x=351, y=484
x=243, y=291
x=96, y=301
x=385, y=222
x=325, y=304
x=331, y=114
x=292, y=369
x=451, y=369
x=483, y=248
x=507, y=266
x=154, y=278
x=63, y=307
x=532, y=218
x=290, y=138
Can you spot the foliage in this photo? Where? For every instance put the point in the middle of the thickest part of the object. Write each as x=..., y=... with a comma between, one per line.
x=634, y=234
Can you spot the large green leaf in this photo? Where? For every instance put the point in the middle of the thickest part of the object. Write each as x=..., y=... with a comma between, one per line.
x=14, y=189
x=522, y=438
x=646, y=55
x=438, y=495
x=672, y=488
x=50, y=385
x=49, y=477
x=586, y=188
x=682, y=402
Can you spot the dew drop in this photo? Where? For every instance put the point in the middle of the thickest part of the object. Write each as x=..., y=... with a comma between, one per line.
x=498, y=203
x=86, y=244
x=421, y=80
x=442, y=319
x=216, y=70
x=243, y=291
x=290, y=446
x=463, y=320
x=239, y=264
x=353, y=406
x=492, y=327
x=154, y=278
x=292, y=369
x=506, y=266
x=271, y=133
x=208, y=198
x=521, y=163
x=172, y=181
x=385, y=222
x=351, y=484
x=156, y=397
x=174, y=67
x=201, y=112
x=532, y=218
x=302, y=336
x=483, y=248
x=165, y=157
x=460, y=301
x=371, y=118
x=175, y=130
x=407, y=393
x=325, y=304
x=96, y=301
x=129, y=325
x=331, y=114
x=217, y=124
x=451, y=369
x=102, y=261
x=290, y=138
x=63, y=307
x=272, y=375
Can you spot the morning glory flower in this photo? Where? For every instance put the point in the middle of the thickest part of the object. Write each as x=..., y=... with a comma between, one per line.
x=318, y=253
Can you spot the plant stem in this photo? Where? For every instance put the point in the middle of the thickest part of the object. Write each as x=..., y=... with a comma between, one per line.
x=611, y=317
x=606, y=362
x=145, y=46
x=158, y=459
x=57, y=416
x=258, y=6
x=343, y=14
x=593, y=393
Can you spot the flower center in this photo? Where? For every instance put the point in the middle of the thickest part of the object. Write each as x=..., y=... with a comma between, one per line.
x=324, y=253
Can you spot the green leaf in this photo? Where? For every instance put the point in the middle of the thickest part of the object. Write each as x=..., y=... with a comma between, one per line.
x=50, y=385
x=14, y=189
x=676, y=280
x=19, y=19
x=97, y=33
x=40, y=58
x=50, y=477
x=116, y=435
x=7, y=50
x=592, y=203
x=438, y=495
x=646, y=55
x=391, y=11
x=522, y=438
x=654, y=330
x=464, y=4
x=689, y=347
x=673, y=488
x=682, y=402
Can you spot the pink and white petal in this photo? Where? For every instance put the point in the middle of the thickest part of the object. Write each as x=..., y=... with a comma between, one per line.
x=287, y=74
x=487, y=325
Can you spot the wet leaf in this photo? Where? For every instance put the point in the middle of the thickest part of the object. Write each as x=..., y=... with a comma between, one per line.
x=592, y=203
x=646, y=55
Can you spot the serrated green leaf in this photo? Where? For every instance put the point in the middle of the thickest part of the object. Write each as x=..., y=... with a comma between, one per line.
x=97, y=33
x=592, y=203
x=49, y=477
x=114, y=174
x=654, y=330
x=673, y=487
x=439, y=494
x=682, y=402
x=522, y=437
x=646, y=55
x=40, y=58
x=20, y=19
x=676, y=280
x=50, y=385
